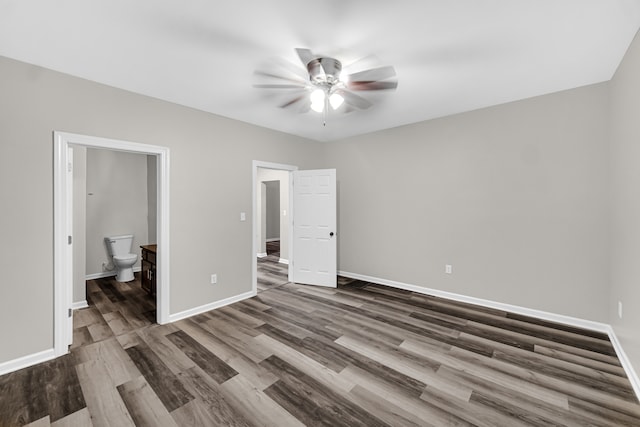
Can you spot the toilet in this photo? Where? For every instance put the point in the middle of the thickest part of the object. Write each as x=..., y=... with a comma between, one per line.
x=120, y=250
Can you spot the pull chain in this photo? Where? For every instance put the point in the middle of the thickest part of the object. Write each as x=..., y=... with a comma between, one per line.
x=325, y=110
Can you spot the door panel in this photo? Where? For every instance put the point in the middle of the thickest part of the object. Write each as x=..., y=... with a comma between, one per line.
x=314, y=225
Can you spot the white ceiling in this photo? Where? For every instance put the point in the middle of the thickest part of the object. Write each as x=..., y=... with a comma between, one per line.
x=450, y=55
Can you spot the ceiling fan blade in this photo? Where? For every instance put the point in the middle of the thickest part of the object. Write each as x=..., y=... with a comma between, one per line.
x=293, y=101
x=278, y=77
x=373, y=74
x=354, y=100
x=278, y=86
x=375, y=85
x=305, y=56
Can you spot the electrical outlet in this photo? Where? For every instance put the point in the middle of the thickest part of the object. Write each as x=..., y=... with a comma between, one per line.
x=243, y=216
x=448, y=268
x=620, y=309
x=214, y=279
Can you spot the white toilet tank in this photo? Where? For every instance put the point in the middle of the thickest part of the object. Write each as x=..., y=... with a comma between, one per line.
x=120, y=245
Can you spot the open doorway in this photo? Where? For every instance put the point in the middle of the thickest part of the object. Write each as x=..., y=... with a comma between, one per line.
x=273, y=228
x=115, y=245
x=64, y=227
x=271, y=224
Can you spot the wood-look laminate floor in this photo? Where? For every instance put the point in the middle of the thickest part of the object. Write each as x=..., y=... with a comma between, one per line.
x=271, y=272
x=359, y=355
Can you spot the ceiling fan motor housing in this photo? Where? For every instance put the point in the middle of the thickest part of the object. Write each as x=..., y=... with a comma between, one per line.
x=324, y=71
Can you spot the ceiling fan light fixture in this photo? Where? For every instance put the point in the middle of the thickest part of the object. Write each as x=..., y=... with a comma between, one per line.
x=324, y=88
x=336, y=100
x=317, y=100
x=324, y=71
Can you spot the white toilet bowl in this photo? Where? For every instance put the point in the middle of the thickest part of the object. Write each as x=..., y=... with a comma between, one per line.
x=119, y=248
x=124, y=266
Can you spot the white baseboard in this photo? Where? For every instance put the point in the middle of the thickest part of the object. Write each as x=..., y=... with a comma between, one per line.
x=261, y=254
x=283, y=261
x=626, y=364
x=26, y=361
x=211, y=306
x=79, y=304
x=107, y=274
x=274, y=239
x=538, y=314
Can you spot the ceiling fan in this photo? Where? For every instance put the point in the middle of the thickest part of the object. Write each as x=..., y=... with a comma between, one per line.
x=320, y=86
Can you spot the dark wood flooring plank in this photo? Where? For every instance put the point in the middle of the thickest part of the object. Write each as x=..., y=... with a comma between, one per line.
x=207, y=361
x=23, y=396
x=163, y=382
x=256, y=374
x=63, y=391
x=310, y=401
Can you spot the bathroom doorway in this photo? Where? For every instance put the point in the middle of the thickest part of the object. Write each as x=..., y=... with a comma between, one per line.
x=119, y=201
x=66, y=225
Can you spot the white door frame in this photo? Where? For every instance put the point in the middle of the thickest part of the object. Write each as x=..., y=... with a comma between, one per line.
x=63, y=261
x=254, y=247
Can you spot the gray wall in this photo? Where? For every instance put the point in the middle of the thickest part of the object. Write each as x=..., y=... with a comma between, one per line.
x=625, y=202
x=514, y=197
x=152, y=198
x=116, y=204
x=211, y=183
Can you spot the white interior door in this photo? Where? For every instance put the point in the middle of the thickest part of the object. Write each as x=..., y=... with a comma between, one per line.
x=314, y=227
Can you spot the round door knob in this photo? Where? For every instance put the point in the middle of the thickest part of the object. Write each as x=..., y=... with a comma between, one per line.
x=331, y=234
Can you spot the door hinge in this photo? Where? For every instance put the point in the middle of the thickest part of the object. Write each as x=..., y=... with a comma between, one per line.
x=69, y=239
x=70, y=312
x=69, y=167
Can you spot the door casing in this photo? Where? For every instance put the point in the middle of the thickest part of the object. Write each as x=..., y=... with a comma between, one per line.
x=63, y=259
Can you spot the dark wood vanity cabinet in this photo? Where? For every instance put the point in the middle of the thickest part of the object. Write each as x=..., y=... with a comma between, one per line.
x=148, y=274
